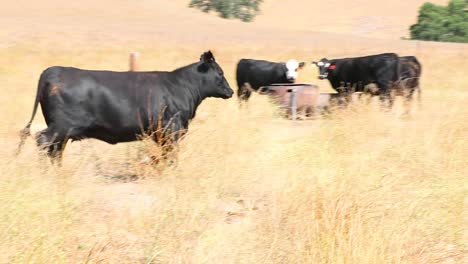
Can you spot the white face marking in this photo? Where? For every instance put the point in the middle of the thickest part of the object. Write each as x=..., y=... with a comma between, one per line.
x=292, y=66
x=325, y=66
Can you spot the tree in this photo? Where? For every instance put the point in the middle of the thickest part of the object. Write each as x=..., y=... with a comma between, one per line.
x=442, y=23
x=244, y=10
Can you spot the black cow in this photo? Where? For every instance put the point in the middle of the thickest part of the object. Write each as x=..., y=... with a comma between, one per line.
x=120, y=106
x=356, y=73
x=410, y=72
x=253, y=74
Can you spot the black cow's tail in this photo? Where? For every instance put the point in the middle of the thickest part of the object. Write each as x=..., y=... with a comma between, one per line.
x=26, y=131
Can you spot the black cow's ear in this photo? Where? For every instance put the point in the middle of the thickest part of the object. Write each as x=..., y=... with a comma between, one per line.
x=314, y=62
x=207, y=57
x=301, y=65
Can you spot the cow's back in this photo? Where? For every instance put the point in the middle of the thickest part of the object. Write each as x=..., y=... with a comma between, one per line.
x=385, y=62
x=99, y=104
x=258, y=73
x=358, y=72
x=69, y=85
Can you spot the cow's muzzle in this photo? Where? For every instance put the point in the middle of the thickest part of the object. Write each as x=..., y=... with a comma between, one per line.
x=229, y=93
x=321, y=77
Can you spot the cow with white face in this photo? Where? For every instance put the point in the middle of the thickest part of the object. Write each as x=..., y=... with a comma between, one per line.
x=292, y=67
x=252, y=74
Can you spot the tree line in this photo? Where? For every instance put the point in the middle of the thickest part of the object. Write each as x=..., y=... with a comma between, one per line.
x=442, y=23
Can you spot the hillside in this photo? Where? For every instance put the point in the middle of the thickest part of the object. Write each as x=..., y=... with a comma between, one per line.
x=370, y=19
x=292, y=22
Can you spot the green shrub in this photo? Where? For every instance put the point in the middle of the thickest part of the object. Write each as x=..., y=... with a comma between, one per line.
x=442, y=23
x=244, y=10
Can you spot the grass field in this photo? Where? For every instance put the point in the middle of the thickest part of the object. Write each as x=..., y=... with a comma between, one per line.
x=362, y=186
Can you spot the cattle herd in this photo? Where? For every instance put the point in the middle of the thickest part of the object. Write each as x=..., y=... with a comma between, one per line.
x=387, y=71
x=120, y=106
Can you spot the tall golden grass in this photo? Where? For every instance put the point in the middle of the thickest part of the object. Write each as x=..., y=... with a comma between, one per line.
x=362, y=186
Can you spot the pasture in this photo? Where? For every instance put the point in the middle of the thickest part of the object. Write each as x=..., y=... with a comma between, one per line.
x=361, y=186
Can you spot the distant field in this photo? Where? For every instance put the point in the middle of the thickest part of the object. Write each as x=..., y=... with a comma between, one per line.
x=362, y=186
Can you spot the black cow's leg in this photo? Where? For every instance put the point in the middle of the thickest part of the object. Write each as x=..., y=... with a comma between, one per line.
x=167, y=139
x=390, y=97
x=409, y=98
x=170, y=152
x=53, y=142
x=385, y=94
x=325, y=111
x=44, y=138
x=386, y=99
x=60, y=148
x=244, y=93
x=342, y=100
x=419, y=97
x=309, y=111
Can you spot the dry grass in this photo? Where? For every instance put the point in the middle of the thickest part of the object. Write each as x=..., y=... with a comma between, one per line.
x=361, y=187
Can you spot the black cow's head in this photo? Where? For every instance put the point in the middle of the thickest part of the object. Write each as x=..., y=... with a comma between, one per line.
x=215, y=85
x=292, y=67
x=325, y=66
